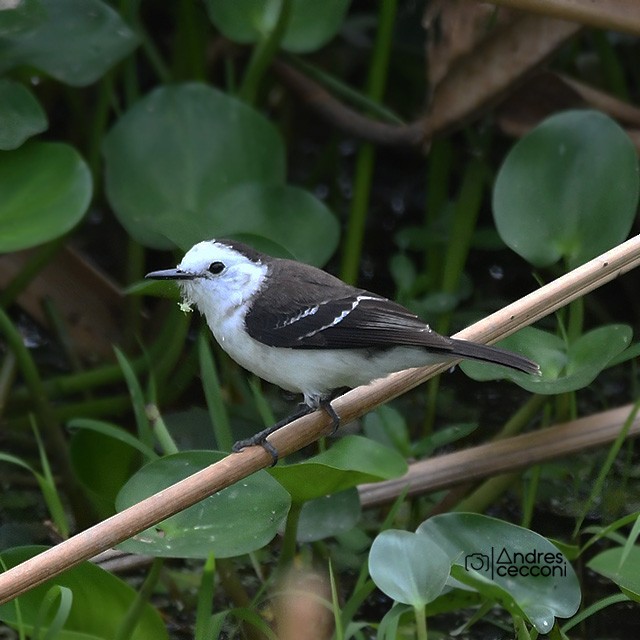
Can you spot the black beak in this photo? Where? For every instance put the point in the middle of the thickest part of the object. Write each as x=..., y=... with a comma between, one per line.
x=170, y=274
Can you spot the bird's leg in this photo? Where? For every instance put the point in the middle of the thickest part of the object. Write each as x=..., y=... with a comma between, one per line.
x=326, y=406
x=260, y=438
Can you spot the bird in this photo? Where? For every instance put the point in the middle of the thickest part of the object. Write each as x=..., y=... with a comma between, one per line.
x=307, y=331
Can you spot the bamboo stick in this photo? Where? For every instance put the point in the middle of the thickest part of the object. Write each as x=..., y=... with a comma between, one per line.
x=303, y=431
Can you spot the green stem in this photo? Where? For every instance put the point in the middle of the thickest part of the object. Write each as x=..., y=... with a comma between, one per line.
x=205, y=598
x=93, y=408
x=134, y=269
x=47, y=421
x=352, y=250
x=344, y=91
x=130, y=11
x=136, y=610
x=358, y=215
x=263, y=53
x=421, y=622
x=160, y=431
x=466, y=212
x=190, y=42
x=7, y=376
x=439, y=171
x=99, y=121
x=288, y=550
x=576, y=320
x=487, y=493
x=521, y=418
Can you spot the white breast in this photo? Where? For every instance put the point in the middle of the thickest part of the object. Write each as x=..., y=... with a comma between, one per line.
x=315, y=373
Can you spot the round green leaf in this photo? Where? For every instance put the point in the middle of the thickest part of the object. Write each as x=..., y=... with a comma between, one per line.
x=519, y=568
x=408, y=567
x=177, y=150
x=621, y=566
x=352, y=460
x=311, y=24
x=76, y=42
x=21, y=115
x=286, y=216
x=20, y=16
x=103, y=464
x=554, y=196
x=100, y=603
x=564, y=368
x=234, y=521
x=329, y=516
x=45, y=188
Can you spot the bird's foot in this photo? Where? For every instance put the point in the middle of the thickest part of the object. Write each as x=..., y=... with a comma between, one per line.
x=260, y=438
x=326, y=406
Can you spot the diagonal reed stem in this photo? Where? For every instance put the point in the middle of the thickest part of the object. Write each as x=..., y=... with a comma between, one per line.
x=305, y=430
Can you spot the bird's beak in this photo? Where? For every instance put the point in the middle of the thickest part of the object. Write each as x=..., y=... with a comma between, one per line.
x=170, y=274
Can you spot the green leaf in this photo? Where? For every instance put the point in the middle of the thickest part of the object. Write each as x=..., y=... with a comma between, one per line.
x=189, y=163
x=287, y=216
x=21, y=115
x=554, y=196
x=564, y=368
x=387, y=426
x=329, y=516
x=45, y=189
x=20, y=16
x=178, y=149
x=76, y=42
x=95, y=613
x=352, y=460
x=115, y=432
x=311, y=24
x=234, y=521
x=620, y=566
x=103, y=461
x=520, y=569
x=408, y=567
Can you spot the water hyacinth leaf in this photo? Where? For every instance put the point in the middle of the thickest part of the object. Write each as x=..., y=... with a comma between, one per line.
x=96, y=612
x=553, y=197
x=21, y=115
x=237, y=520
x=564, y=368
x=621, y=566
x=284, y=215
x=514, y=565
x=20, y=16
x=329, y=516
x=103, y=464
x=177, y=150
x=388, y=426
x=74, y=41
x=45, y=189
x=408, y=567
x=206, y=165
x=351, y=461
x=310, y=26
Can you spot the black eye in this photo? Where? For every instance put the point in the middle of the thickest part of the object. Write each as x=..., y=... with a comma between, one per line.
x=216, y=267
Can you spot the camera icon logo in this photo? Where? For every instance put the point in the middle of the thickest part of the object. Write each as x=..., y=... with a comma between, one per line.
x=477, y=562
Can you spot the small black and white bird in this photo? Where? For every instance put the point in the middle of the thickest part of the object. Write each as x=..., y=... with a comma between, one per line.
x=306, y=331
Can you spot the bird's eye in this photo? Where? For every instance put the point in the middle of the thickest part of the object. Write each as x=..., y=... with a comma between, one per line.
x=216, y=267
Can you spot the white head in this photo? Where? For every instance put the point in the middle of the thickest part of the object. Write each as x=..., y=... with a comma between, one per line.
x=217, y=275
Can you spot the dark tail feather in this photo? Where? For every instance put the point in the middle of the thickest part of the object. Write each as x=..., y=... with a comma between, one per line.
x=487, y=353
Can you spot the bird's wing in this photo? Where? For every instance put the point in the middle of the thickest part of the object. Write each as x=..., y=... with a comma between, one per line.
x=359, y=320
